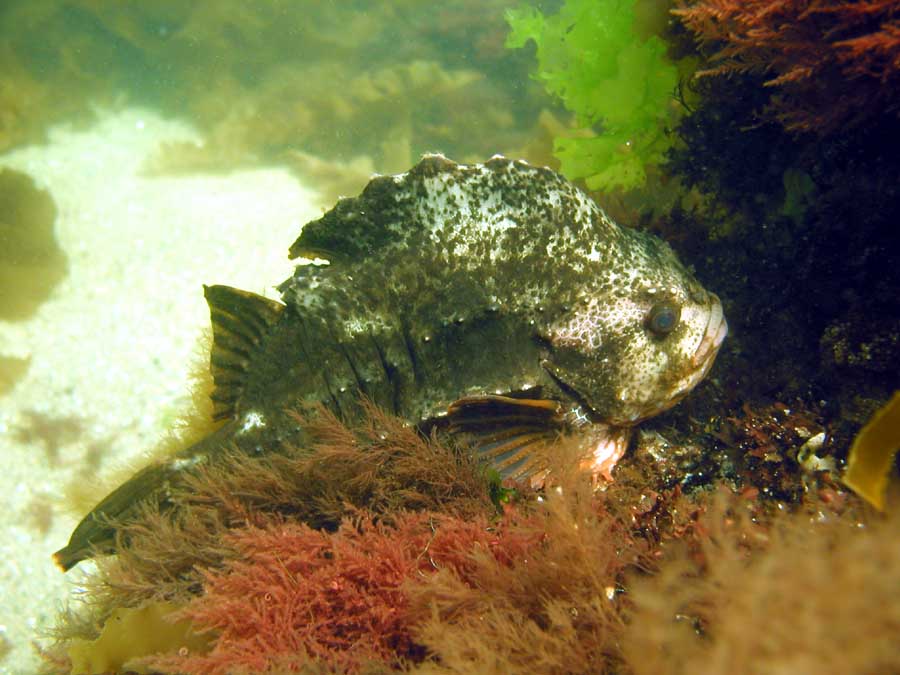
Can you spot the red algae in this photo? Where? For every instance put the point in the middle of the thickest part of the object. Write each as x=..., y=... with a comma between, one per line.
x=831, y=62
x=296, y=596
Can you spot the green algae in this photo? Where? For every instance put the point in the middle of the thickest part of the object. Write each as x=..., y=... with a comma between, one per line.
x=591, y=56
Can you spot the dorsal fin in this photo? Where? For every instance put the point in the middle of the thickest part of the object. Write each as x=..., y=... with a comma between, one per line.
x=439, y=197
x=381, y=215
x=240, y=320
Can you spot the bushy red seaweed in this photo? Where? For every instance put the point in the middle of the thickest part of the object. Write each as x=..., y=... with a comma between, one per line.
x=567, y=580
x=296, y=596
x=834, y=62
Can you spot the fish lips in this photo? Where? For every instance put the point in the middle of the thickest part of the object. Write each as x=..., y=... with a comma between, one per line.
x=713, y=336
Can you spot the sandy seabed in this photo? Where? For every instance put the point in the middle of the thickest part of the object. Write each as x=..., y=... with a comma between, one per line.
x=113, y=347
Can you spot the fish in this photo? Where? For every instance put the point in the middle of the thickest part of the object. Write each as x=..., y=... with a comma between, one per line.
x=496, y=301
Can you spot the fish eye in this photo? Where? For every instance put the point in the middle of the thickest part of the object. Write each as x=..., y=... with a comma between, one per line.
x=663, y=317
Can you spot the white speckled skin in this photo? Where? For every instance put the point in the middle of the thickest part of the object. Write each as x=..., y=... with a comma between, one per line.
x=445, y=243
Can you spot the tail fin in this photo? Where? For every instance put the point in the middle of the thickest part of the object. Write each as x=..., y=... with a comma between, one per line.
x=96, y=533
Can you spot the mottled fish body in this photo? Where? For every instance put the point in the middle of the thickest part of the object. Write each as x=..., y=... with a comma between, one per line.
x=496, y=300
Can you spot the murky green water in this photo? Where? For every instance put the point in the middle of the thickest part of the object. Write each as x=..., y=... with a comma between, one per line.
x=373, y=84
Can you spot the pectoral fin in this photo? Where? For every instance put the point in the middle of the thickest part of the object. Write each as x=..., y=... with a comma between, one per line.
x=508, y=432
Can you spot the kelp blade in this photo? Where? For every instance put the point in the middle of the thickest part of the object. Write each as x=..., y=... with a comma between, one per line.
x=872, y=454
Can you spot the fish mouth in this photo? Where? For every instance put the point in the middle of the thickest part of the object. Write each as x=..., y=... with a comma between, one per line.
x=716, y=330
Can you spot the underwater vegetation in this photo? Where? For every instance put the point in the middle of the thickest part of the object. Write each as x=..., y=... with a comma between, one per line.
x=48, y=432
x=872, y=453
x=761, y=600
x=785, y=181
x=31, y=261
x=575, y=582
x=11, y=369
x=132, y=632
x=828, y=64
x=376, y=546
x=593, y=56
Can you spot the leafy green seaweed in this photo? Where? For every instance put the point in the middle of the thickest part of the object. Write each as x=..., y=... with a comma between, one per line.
x=590, y=56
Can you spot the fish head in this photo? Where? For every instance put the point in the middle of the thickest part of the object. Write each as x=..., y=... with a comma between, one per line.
x=641, y=336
